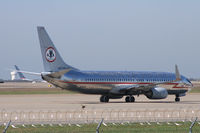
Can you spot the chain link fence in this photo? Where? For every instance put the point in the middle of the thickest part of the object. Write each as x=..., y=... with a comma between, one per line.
x=86, y=116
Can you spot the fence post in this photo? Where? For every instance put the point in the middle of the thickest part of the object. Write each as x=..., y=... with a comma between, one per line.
x=190, y=131
x=99, y=125
x=7, y=127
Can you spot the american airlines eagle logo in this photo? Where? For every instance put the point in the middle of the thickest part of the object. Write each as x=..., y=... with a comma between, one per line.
x=50, y=54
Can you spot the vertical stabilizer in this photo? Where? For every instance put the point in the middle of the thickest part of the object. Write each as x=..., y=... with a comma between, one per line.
x=21, y=76
x=51, y=58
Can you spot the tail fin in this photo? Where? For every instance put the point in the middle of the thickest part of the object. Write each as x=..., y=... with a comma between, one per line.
x=21, y=76
x=51, y=58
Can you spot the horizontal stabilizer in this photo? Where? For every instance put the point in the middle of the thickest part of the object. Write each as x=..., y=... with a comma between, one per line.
x=58, y=74
x=31, y=73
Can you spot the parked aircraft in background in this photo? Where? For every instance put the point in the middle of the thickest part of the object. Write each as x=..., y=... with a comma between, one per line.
x=20, y=74
x=1, y=81
x=109, y=84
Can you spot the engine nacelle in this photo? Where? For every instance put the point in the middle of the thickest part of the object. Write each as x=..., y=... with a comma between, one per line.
x=157, y=93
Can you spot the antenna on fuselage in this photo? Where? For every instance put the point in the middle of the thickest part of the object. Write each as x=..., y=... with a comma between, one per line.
x=178, y=76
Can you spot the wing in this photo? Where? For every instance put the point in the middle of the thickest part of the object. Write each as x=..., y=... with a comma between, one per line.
x=137, y=88
x=122, y=89
x=144, y=87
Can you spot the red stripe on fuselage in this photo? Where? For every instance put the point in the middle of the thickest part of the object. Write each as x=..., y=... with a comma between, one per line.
x=129, y=83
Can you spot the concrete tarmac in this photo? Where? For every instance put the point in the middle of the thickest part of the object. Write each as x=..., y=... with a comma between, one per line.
x=67, y=108
x=63, y=102
x=37, y=102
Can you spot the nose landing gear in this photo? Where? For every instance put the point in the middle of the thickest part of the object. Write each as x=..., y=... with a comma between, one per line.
x=177, y=99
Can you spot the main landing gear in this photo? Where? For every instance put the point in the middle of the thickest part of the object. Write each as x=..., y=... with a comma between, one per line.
x=104, y=99
x=177, y=99
x=130, y=99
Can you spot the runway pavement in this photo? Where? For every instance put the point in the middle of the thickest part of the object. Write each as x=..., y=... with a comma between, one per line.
x=68, y=108
x=75, y=101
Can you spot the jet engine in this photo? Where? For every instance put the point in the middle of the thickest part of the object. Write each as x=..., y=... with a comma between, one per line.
x=157, y=93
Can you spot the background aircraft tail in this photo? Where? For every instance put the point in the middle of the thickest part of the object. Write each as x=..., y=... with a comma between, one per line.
x=52, y=60
x=21, y=76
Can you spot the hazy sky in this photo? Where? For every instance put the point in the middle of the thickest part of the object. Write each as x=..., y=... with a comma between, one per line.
x=151, y=35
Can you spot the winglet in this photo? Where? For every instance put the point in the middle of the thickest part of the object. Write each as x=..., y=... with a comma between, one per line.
x=178, y=77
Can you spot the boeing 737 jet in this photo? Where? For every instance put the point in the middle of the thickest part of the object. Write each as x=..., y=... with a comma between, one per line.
x=109, y=84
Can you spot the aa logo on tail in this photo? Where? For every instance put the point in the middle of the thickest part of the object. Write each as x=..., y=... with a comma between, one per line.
x=50, y=54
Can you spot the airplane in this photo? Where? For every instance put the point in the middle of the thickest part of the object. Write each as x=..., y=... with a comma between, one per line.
x=109, y=84
x=1, y=81
x=20, y=74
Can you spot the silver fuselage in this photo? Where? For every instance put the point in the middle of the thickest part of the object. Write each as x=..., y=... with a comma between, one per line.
x=116, y=82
